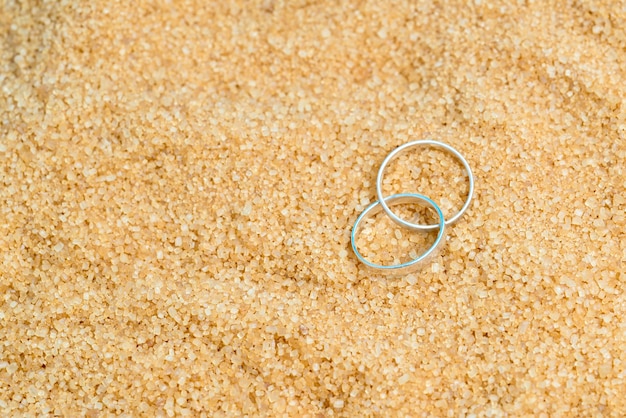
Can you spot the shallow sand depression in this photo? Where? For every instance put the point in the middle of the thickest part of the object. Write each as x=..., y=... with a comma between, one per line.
x=178, y=183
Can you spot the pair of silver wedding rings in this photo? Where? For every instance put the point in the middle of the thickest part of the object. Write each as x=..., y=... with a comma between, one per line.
x=385, y=203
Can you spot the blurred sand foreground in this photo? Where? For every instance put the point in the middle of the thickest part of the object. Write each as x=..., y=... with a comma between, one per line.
x=178, y=181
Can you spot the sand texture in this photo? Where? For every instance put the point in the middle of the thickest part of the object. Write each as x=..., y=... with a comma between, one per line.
x=179, y=179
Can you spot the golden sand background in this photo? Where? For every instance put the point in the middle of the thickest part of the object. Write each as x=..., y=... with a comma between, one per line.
x=178, y=181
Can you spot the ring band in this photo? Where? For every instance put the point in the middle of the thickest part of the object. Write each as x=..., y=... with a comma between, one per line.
x=393, y=155
x=392, y=200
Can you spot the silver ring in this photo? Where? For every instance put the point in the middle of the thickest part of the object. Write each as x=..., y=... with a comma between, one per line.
x=392, y=200
x=393, y=155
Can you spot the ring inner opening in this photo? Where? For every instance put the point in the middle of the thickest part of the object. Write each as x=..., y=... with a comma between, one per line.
x=384, y=242
x=431, y=172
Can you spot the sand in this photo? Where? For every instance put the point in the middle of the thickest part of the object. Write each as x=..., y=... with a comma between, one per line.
x=178, y=182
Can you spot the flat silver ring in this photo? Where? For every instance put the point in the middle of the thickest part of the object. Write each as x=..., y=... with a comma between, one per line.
x=413, y=264
x=393, y=155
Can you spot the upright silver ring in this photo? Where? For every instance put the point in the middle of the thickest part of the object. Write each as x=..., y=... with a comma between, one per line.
x=393, y=155
x=411, y=265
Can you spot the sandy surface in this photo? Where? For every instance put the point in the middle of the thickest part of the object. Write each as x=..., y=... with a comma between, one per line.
x=178, y=182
